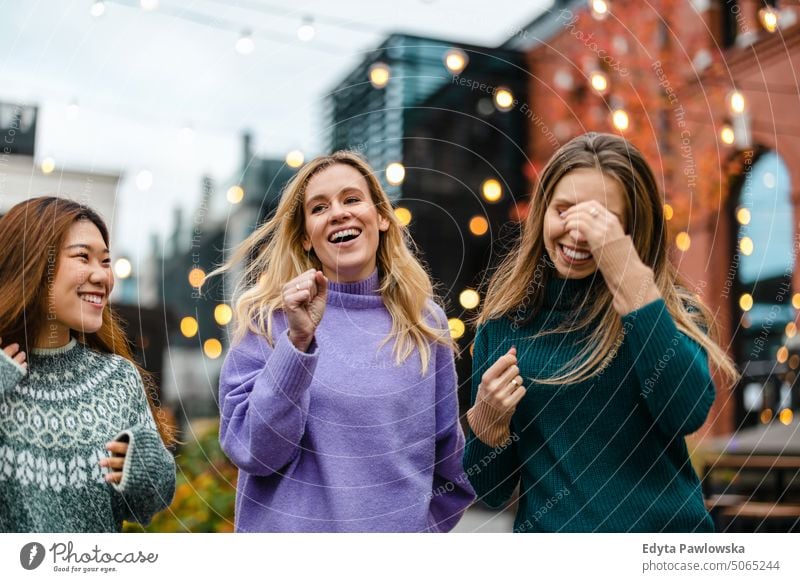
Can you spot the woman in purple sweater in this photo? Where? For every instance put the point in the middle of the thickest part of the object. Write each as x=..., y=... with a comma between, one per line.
x=338, y=398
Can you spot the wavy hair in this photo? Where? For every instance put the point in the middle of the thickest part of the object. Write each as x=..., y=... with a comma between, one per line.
x=274, y=254
x=511, y=287
x=31, y=236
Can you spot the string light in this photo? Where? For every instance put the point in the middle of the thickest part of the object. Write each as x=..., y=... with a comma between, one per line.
x=196, y=277
x=469, y=299
x=746, y=246
x=395, y=173
x=213, y=348
x=403, y=215
x=492, y=190
x=669, y=212
x=48, y=165
x=223, y=314
x=599, y=82
x=123, y=268
x=455, y=60
x=379, y=75
x=769, y=18
x=235, y=194
x=746, y=302
x=295, y=159
x=599, y=9
x=503, y=99
x=97, y=8
x=478, y=225
x=620, y=119
x=726, y=135
x=683, y=241
x=736, y=102
x=189, y=326
x=457, y=327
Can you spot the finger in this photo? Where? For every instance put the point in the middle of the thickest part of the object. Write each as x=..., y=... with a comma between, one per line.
x=296, y=299
x=114, y=477
x=20, y=358
x=113, y=463
x=513, y=400
x=504, y=383
x=12, y=349
x=499, y=367
x=117, y=447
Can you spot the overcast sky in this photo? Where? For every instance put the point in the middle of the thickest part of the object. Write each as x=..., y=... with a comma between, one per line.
x=139, y=77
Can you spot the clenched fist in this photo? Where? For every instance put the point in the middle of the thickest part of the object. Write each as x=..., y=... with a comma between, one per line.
x=304, y=300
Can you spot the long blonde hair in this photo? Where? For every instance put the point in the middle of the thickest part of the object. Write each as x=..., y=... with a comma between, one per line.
x=275, y=255
x=520, y=280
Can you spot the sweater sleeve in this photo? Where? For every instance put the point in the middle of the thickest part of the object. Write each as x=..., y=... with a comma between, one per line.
x=492, y=471
x=672, y=370
x=10, y=373
x=452, y=493
x=264, y=400
x=148, y=472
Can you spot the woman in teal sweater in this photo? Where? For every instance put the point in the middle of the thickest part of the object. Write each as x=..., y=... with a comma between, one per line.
x=590, y=364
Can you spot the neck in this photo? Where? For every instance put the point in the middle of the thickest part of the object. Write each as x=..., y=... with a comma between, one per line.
x=54, y=335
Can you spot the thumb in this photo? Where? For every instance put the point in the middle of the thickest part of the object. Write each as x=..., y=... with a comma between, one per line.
x=322, y=287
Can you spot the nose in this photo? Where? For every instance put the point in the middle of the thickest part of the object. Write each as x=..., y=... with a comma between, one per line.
x=339, y=211
x=99, y=275
x=577, y=236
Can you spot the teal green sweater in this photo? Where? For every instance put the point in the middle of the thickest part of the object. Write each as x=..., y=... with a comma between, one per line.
x=607, y=454
x=55, y=421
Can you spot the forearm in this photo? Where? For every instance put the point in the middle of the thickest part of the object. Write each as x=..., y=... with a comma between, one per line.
x=631, y=282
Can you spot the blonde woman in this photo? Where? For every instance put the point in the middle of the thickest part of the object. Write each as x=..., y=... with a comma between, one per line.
x=338, y=398
x=591, y=364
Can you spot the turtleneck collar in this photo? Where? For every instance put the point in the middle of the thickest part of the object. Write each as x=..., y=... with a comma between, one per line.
x=359, y=295
x=563, y=294
x=66, y=348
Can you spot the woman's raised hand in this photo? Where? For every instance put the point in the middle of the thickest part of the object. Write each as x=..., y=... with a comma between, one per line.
x=499, y=393
x=304, y=300
x=13, y=352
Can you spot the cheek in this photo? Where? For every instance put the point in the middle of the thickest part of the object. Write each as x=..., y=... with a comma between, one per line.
x=553, y=227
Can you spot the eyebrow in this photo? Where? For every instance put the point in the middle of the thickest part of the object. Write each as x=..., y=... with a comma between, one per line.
x=344, y=190
x=84, y=246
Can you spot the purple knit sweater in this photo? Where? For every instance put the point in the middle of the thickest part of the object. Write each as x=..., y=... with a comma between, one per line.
x=341, y=438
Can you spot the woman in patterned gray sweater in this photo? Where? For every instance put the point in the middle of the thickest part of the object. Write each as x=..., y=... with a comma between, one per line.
x=80, y=447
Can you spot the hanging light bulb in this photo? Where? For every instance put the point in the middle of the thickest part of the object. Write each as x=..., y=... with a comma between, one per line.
x=727, y=135
x=736, y=102
x=379, y=75
x=395, y=173
x=295, y=159
x=306, y=30
x=97, y=8
x=245, y=45
x=503, y=99
x=620, y=119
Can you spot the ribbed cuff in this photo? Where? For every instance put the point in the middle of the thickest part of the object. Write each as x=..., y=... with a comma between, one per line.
x=11, y=373
x=290, y=368
x=490, y=426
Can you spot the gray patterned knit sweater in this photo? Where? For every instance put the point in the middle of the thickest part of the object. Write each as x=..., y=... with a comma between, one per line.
x=54, y=424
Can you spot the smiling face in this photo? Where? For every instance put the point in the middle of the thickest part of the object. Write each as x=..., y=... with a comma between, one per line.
x=342, y=223
x=78, y=293
x=571, y=257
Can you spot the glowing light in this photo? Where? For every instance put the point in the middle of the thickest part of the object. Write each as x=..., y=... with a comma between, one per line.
x=235, y=194
x=395, y=173
x=478, y=225
x=620, y=119
x=736, y=102
x=766, y=415
x=213, y=348
x=599, y=82
x=503, y=99
x=794, y=361
x=306, y=30
x=403, y=215
x=295, y=159
x=746, y=302
x=223, y=314
x=123, y=268
x=796, y=300
x=785, y=417
x=683, y=241
x=782, y=355
x=599, y=8
x=189, y=326
x=196, y=277
x=469, y=299
x=144, y=180
x=457, y=327
x=245, y=45
x=726, y=135
x=791, y=329
x=746, y=246
x=769, y=18
x=492, y=190
x=48, y=165
x=379, y=75
x=743, y=216
x=669, y=212
x=455, y=60
x=97, y=9
x=149, y=5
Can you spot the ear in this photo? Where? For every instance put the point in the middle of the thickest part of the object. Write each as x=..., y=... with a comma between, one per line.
x=306, y=243
x=383, y=223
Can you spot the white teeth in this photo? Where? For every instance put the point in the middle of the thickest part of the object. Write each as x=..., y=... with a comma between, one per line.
x=343, y=233
x=92, y=299
x=577, y=255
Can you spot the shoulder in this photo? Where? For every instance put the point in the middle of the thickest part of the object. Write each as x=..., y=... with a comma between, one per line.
x=434, y=315
x=114, y=363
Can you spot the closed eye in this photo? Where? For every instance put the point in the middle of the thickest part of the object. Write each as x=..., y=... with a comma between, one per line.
x=318, y=208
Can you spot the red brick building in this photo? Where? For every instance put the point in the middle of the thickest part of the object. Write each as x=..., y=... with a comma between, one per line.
x=670, y=75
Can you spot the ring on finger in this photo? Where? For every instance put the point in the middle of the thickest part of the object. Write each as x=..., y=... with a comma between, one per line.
x=593, y=211
x=297, y=285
